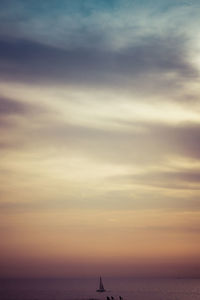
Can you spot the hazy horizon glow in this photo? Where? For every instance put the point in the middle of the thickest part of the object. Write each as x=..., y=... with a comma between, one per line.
x=99, y=138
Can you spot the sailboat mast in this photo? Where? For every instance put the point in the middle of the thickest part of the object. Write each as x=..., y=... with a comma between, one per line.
x=101, y=284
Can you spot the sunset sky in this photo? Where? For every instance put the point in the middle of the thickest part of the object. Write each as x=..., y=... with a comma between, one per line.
x=99, y=138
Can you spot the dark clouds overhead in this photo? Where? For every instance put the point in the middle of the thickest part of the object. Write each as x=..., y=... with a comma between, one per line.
x=23, y=60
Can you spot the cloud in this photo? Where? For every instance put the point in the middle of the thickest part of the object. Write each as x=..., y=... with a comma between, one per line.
x=153, y=59
x=117, y=45
x=13, y=115
x=12, y=111
x=155, y=144
x=180, y=180
x=119, y=22
x=151, y=145
x=10, y=107
x=137, y=198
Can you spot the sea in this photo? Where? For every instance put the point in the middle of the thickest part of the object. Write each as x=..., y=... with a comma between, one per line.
x=85, y=289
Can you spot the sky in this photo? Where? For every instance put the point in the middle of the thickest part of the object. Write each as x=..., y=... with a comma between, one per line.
x=99, y=138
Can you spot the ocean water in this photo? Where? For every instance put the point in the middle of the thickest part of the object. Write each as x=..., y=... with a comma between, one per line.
x=78, y=289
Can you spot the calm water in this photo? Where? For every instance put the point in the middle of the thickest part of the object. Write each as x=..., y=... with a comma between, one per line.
x=76, y=289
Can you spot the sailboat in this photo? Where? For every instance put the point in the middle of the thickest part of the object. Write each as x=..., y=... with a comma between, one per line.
x=101, y=287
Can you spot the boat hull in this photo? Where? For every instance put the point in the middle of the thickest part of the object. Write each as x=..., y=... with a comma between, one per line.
x=100, y=291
